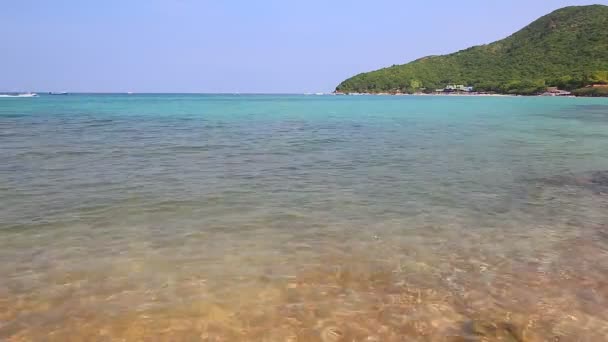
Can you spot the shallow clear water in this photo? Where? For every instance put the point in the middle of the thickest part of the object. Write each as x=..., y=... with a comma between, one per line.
x=303, y=218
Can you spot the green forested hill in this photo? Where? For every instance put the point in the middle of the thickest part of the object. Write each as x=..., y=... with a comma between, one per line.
x=567, y=48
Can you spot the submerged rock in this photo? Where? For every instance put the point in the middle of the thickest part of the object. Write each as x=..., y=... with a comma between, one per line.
x=595, y=180
x=493, y=331
x=600, y=178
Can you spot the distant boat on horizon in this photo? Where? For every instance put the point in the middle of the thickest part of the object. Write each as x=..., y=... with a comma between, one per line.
x=20, y=95
x=58, y=93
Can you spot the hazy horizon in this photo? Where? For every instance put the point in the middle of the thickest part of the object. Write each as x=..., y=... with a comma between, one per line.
x=270, y=47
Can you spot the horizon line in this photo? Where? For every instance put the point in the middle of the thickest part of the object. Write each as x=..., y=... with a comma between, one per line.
x=178, y=93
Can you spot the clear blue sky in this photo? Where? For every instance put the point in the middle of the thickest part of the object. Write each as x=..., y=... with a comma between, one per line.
x=236, y=46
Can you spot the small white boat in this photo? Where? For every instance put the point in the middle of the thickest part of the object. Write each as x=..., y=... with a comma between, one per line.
x=20, y=95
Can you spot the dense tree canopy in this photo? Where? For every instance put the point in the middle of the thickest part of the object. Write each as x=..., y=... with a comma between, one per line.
x=567, y=48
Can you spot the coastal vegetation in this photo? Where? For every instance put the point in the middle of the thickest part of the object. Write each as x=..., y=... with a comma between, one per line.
x=592, y=92
x=566, y=49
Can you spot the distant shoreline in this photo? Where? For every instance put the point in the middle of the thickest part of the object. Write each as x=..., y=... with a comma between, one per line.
x=453, y=95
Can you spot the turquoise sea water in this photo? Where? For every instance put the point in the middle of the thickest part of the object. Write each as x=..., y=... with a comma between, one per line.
x=303, y=218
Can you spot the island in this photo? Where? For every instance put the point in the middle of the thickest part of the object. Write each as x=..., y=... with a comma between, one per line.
x=562, y=53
